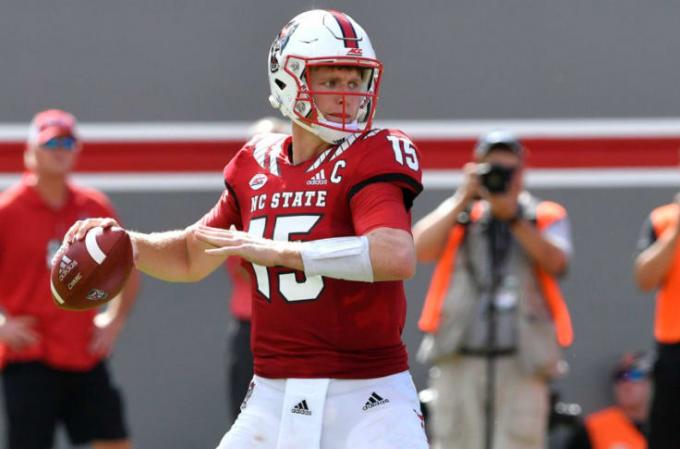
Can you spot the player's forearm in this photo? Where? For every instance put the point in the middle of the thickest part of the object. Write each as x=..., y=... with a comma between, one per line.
x=288, y=254
x=393, y=255
x=384, y=254
x=430, y=232
x=652, y=265
x=163, y=255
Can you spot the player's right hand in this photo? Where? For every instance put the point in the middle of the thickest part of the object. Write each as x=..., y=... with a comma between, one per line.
x=80, y=228
x=18, y=332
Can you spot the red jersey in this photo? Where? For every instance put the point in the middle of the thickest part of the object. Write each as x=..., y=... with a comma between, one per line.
x=30, y=234
x=319, y=327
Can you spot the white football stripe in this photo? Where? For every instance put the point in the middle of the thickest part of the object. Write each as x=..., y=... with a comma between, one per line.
x=56, y=294
x=92, y=246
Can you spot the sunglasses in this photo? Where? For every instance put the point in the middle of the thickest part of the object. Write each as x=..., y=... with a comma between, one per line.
x=632, y=375
x=60, y=143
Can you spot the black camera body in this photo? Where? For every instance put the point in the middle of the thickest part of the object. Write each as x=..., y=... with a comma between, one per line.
x=495, y=177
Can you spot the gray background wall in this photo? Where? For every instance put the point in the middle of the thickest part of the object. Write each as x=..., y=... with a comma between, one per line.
x=204, y=60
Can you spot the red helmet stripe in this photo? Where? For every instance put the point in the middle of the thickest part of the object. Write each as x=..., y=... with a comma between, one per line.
x=349, y=35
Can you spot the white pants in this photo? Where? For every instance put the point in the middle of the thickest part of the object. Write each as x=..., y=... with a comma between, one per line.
x=457, y=417
x=381, y=413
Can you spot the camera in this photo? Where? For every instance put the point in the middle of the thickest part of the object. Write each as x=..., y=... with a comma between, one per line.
x=496, y=178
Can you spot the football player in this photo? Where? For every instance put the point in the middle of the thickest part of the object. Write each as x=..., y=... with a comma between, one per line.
x=322, y=219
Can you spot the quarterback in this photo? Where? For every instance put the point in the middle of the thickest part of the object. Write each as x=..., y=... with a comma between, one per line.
x=321, y=218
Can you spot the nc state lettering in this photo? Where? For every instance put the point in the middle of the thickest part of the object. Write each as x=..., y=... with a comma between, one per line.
x=288, y=200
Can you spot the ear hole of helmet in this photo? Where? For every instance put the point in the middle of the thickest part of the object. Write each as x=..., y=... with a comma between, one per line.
x=296, y=66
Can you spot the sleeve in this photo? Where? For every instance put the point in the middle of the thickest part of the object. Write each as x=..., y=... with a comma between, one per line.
x=389, y=156
x=559, y=233
x=553, y=222
x=226, y=211
x=647, y=236
x=377, y=206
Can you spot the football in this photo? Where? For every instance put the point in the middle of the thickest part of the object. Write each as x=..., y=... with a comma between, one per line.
x=92, y=271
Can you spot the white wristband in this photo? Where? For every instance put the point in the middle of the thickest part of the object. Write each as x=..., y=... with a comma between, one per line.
x=340, y=258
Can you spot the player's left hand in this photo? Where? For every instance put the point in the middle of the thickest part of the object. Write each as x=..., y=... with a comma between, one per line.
x=105, y=334
x=232, y=242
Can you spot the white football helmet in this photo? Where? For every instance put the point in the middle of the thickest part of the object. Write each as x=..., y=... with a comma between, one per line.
x=322, y=38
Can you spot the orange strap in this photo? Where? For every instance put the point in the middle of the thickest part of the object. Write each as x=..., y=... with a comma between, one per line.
x=557, y=307
x=547, y=213
x=432, y=309
x=430, y=317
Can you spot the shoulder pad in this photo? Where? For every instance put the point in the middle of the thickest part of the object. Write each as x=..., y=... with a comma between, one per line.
x=384, y=156
x=381, y=152
x=266, y=146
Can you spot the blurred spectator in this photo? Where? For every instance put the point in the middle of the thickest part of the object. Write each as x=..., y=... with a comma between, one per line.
x=623, y=425
x=494, y=314
x=54, y=361
x=240, y=357
x=658, y=266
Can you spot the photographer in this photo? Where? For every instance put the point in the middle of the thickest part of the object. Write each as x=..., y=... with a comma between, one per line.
x=494, y=316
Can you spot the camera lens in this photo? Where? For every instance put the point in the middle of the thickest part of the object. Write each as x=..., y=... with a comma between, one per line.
x=496, y=178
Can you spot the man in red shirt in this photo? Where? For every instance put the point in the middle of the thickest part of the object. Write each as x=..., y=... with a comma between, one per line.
x=54, y=369
x=323, y=218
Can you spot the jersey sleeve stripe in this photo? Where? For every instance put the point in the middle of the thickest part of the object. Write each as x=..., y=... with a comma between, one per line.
x=232, y=192
x=409, y=194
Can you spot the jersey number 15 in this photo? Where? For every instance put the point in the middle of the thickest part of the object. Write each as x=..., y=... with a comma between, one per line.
x=288, y=286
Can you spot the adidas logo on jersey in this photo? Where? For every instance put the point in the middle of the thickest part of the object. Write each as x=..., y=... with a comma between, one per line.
x=318, y=179
x=301, y=408
x=375, y=400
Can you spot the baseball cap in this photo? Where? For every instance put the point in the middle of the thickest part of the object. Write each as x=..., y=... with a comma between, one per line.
x=499, y=139
x=633, y=367
x=52, y=123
